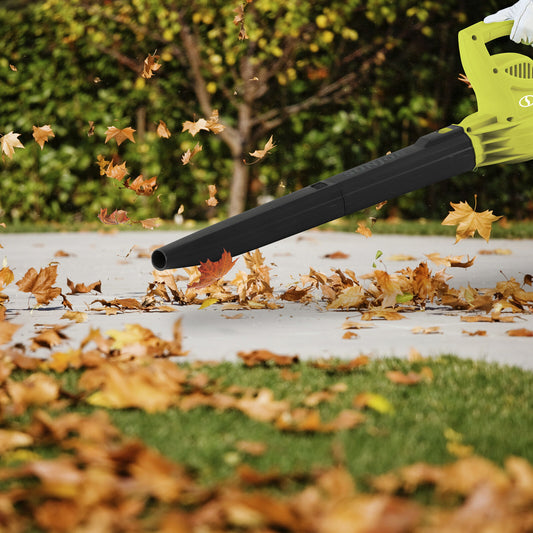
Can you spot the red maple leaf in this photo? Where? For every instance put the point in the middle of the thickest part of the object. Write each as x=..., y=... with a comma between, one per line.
x=211, y=271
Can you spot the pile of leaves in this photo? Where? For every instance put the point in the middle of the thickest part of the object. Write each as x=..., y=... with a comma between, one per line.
x=64, y=469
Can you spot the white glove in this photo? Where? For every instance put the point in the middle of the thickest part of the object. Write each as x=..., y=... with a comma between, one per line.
x=522, y=14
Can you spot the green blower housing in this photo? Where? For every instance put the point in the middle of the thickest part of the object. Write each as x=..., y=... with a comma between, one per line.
x=500, y=131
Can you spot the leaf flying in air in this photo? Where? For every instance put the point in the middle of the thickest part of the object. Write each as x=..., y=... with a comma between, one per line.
x=41, y=134
x=119, y=135
x=469, y=221
x=259, y=154
x=211, y=271
x=9, y=142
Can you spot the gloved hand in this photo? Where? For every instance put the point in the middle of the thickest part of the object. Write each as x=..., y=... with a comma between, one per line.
x=522, y=14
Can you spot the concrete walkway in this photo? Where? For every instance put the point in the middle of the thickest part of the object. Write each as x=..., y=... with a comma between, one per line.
x=309, y=331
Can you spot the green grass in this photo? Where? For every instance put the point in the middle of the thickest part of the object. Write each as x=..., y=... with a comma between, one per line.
x=489, y=405
x=513, y=230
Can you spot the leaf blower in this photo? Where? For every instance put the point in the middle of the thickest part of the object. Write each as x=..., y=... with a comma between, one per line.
x=500, y=131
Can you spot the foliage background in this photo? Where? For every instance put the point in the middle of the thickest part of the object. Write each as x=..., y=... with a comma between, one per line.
x=80, y=61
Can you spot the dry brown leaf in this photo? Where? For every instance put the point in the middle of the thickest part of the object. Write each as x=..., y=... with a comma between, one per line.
x=40, y=284
x=262, y=357
x=194, y=127
x=118, y=216
x=188, y=155
x=9, y=142
x=7, y=330
x=337, y=255
x=477, y=333
x=469, y=221
x=141, y=186
x=162, y=130
x=81, y=288
x=363, y=229
x=48, y=337
x=212, y=201
x=120, y=135
x=521, y=332
x=211, y=272
x=42, y=134
x=411, y=378
x=259, y=154
x=426, y=331
x=150, y=65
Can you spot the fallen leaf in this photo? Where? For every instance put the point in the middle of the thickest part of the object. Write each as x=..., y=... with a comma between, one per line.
x=386, y=314
x=76, y=316
x=401, y=257
x=521, y=332
x=263, y=357
x=48, y=337
x=337, y=255
x=350, y=335
x=208, y=302
x=7, y=330
x=81, y=288
x=411, y=378
x=477, y=333
x=120, y=135
x=211, y=272
x=469, y=221
x=427, y=331
x=40, y=284
x=9, y=142
x=42, y=133
x=335, y=367
x=377, y=402
x=255, y=448
x=496, y=251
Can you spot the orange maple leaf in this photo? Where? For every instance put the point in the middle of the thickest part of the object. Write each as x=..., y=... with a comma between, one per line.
x=194, y=127
x=213, y=123
x=40, y=284
x=41, y=134
x=120, y=135
x=9, y=142
x=469, y=221
x=363, y=229
x=211, y=272
x=141, y=186
x=116, y=172
x=259, y=154
x=118, y=216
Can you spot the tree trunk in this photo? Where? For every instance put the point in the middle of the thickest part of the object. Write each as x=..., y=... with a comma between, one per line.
x=238, y=187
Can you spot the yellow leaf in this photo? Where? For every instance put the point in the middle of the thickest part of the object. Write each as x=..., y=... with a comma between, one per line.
x=374, y=401
x=207, y=302
x=469, y=221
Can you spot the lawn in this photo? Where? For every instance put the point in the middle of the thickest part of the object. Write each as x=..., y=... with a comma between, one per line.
x=190, y=440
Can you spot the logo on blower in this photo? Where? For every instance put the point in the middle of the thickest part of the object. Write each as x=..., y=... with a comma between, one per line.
x=526, y=101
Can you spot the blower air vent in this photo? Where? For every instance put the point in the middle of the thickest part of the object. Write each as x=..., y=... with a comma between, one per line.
x=521, y=70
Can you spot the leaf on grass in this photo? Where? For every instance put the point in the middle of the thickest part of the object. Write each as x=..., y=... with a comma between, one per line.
x=212, y=201
x=211, y=272
x=521, y=332
x=188, y=155
x=263, y=357
x=118, y=216
x=377, y=402
x=37, y=389
x=335, y=367
x=259, y=154
x=411, y=378
x=150, y=66
x=162, y=130
x=120, y=135
x=41, y=134
x=469, y=221
x=309, y=420
x=9, y=142
x=11, y=439
x=40, y=284
x=255, y=448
